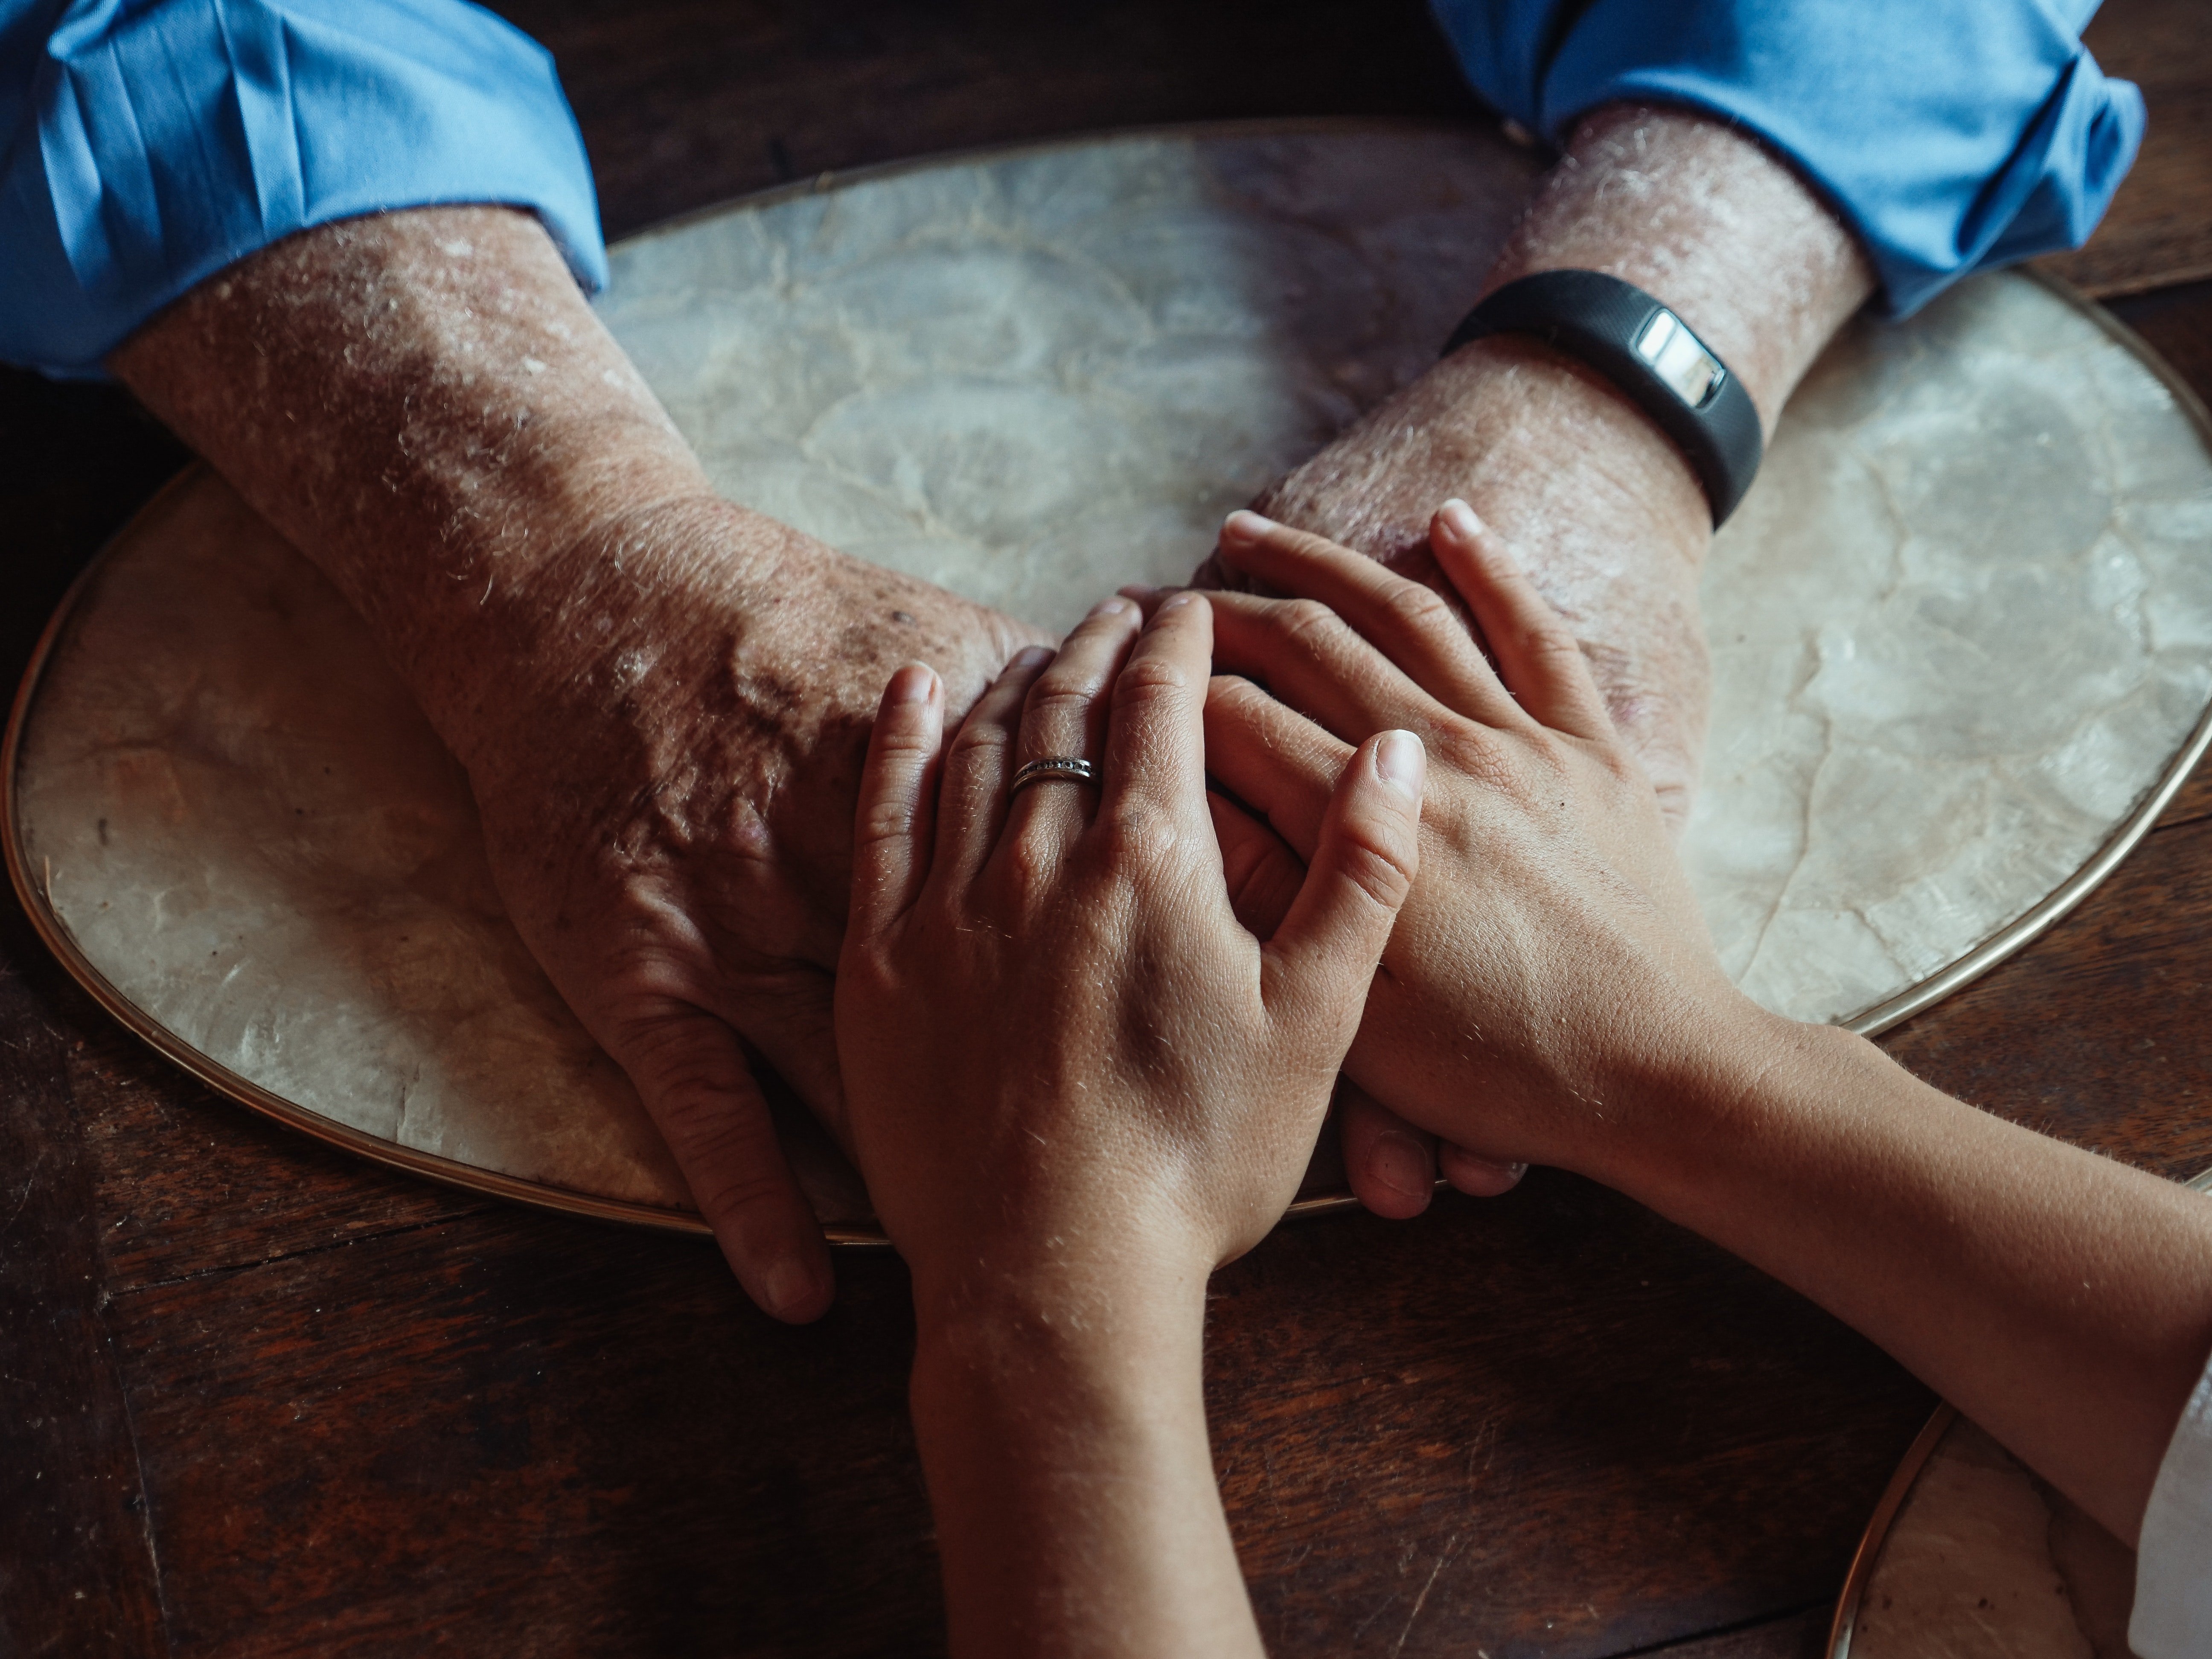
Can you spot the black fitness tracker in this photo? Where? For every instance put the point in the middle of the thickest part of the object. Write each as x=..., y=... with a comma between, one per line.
x=1648, y=352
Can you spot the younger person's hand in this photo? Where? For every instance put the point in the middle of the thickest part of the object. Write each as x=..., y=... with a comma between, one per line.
x=1549, y=995
x=1552, y=960
x=1058, y=1044
x=1076, y=1084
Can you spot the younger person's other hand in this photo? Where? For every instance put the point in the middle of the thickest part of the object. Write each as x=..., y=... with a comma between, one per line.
x=1549, y=995
x=1551, y=963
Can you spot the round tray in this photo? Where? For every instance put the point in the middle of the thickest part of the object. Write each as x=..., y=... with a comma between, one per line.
x=1960, y=625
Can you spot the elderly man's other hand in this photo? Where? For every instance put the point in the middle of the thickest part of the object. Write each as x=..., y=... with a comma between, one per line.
x=1602, y=508
x=661, y=698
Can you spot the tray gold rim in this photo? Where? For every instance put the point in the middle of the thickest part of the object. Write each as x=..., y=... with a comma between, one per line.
x=32, y=892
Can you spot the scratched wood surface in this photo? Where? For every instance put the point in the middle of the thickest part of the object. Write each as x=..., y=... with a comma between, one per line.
x=258, y=1398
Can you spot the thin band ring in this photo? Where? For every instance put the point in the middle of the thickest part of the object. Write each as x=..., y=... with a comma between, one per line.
x=1056, y=767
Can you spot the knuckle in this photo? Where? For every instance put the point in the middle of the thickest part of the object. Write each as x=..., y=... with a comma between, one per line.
x=1306, y=622
x=1419, y=608
x=1374, y=861
x=1139, y=835
x=678, y=1059
x=1031, y=863
x=1550, y=641
x=884, y=820
x=732, y=1190
x=980, y=738
x=903, y=738
x=1148, y=680
x=1049, y=697
x=1235, y=696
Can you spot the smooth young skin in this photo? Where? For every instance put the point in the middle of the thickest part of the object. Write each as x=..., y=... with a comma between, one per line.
x=1076, y=1086
x=1549, y=995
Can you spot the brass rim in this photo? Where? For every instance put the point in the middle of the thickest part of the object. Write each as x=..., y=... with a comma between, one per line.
x=31, y=891
x=2039, y=918
x=1877, y=1530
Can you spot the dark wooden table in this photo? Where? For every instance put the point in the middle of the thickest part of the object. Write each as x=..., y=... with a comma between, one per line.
x=255, y=1398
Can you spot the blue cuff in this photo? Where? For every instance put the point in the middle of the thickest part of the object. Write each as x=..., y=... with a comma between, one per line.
x=1950, y=136
x=151, y=142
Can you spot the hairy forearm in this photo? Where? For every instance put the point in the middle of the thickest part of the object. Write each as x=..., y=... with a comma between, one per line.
x=424, y=404
x=415, y=396
x=1684, y=207
x=2062, y=1300
x=1602, y=507
x=1706, y=218
x=1063, y=1436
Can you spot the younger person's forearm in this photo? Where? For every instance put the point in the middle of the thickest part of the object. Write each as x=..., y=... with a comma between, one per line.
x=2062, y=1300
x=1070, y=1482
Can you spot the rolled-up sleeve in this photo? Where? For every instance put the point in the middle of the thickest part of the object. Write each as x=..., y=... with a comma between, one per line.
x=1951, y=135
x=2172, y=1617
x=150, y=144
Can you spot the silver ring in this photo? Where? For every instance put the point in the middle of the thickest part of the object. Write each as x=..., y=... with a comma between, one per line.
x=1055, y=766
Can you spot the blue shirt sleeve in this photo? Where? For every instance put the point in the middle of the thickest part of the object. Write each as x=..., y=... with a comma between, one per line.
x=1951, y=135
x=148, y=143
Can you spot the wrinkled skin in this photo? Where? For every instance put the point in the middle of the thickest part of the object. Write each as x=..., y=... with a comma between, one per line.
x=1595, y=501
x=661, y=697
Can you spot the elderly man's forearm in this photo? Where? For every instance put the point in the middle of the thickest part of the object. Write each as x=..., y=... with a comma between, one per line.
x=423, y=403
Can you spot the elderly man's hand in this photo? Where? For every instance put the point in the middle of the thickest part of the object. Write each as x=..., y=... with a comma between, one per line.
x=661, y=698
x=666, y=782
x=1603, y=510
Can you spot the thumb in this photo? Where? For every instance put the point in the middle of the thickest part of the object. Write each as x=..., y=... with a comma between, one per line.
x=692, y=1075
x=1324, y=954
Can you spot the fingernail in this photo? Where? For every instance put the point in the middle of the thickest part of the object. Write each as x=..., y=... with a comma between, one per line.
x=1180, y=602
x=1402, y=762
x=913, y=683
x=1246, y=526
x=1033, y=656
x=790, y=1288
x=1461, y=518
x=1109, y=607
x=1400, y=1163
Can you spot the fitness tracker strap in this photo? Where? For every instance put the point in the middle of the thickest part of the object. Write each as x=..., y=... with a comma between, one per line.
x=1648, y=352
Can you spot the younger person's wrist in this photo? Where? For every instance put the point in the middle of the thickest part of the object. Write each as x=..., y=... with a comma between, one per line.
x=1065, y=1295
x=1116, y=1356
x=1736, y=1093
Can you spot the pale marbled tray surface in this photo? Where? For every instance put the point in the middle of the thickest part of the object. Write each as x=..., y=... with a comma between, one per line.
x=1960, y=625
x=1985, y=1561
